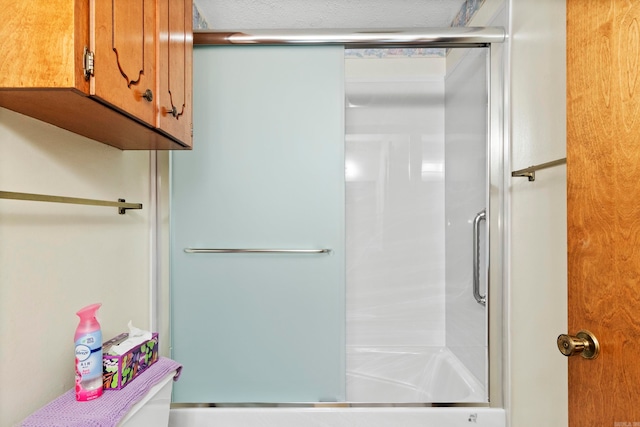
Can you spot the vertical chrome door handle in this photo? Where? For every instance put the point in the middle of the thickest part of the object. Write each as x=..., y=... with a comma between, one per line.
x=480, y=299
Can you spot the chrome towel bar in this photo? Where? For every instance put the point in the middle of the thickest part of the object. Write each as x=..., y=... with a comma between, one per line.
x=530, y=172
x=256, y=251
x=120, y=204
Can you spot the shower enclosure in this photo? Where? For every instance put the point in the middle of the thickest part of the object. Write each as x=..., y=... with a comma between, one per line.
x=331, y=228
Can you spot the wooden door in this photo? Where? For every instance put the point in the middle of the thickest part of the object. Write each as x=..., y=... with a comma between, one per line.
x=123, y=41
x=175, y=68
x=603, y=191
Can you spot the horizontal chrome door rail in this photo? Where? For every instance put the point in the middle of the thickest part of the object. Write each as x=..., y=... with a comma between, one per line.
x=256, y=251
x=357, y=38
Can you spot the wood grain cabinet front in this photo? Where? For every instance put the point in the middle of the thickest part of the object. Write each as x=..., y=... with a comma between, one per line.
x=175, y=68
x=117, y=71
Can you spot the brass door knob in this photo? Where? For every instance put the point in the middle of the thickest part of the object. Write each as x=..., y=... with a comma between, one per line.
x=583, y=343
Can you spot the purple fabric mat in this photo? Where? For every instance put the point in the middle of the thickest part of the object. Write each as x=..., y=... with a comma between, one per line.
x=105, y=411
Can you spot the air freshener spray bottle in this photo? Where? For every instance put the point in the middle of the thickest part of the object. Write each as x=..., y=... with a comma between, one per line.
x=88, y=340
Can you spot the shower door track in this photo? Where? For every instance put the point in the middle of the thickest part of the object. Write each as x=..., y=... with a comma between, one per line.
x=358, y=38
x=332, y=405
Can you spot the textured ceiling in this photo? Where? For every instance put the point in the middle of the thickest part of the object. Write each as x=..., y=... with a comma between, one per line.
x=292, y=14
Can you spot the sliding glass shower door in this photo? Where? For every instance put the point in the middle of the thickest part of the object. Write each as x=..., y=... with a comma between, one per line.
x=326, y=251
x=257, y=229
x=416, y=178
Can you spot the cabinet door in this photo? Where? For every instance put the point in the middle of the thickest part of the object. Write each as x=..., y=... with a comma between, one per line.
x=175, y=68
x=123, y=41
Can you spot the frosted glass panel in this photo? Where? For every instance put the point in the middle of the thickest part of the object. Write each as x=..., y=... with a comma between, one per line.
x=395, y=234
x=266, y=171
x=416, y=174
x=466, y=194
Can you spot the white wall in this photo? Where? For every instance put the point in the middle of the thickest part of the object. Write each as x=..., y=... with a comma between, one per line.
x=538, y=249
x=57, y=258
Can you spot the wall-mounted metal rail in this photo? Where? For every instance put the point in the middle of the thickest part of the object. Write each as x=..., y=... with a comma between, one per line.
x=256, y=251
x=358, y=38
x=120, y=204
x=530, y=172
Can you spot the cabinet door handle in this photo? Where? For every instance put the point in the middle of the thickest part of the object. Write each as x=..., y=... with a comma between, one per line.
x=148, y=95
x=173, y=111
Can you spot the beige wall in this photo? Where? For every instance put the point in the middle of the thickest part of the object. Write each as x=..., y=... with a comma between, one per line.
x=538, y=248
x=56, y=258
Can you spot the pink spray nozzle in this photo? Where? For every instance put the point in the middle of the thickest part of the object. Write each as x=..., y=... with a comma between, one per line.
x=89, y=312
x=88, y=321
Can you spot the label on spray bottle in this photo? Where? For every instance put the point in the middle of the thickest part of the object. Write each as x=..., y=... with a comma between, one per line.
x=89, y=366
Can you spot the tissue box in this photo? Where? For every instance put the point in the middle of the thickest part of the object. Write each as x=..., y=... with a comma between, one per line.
x=118, y=371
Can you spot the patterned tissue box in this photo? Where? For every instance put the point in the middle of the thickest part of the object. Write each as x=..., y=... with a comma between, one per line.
x=118, y=371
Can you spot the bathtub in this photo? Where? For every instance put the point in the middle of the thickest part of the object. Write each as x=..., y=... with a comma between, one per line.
x=338, y=417
x=410, y=375
x=369, y=377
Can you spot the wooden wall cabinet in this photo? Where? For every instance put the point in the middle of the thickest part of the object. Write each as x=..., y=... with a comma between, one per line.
x=117, y=71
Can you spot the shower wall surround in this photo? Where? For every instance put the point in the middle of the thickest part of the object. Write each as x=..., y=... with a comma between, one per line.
x=416, y=167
